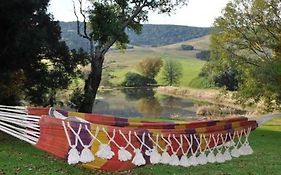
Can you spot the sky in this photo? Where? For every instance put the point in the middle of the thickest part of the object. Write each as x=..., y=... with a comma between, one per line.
x=200, y=13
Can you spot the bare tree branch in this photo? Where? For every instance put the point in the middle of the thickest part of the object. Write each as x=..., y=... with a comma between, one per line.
x=84, y=19
x=78, y=23
x=85, y=34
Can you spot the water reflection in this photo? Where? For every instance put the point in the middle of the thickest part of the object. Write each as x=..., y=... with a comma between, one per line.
x=149, y=106
x=145, y=102
x=176, y=102
x=142, y=102
x=133, y=94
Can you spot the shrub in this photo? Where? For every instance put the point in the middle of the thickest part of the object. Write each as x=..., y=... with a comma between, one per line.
x=187, y=47
x=203, y=55
x=201, y=82
x=137, y=80
x=150, y=67
x=106, y=78
x=76, y=98
x=228, y=79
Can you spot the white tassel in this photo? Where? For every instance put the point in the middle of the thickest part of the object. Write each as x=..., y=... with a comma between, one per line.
x=234, y=152
x=193, y=160
x=73, y=156
x=245, y=150
x=220, y=158
x=227, y=155
x=124, y=155
x=155, y=157
x=86, y=156
x=174, y=160
x=211, y=157
x=138, y=159
x=165, y=158
x=248, y=149
x=184, y=161
x=105, y=152
x=241, y=150
x=202, y=159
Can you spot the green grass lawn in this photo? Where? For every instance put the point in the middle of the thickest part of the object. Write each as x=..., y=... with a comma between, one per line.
x=17, y=157
x=127, y=62
x=191, y=67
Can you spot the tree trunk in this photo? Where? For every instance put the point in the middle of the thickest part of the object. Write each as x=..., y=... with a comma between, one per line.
x=52, y=99
x=92, y=84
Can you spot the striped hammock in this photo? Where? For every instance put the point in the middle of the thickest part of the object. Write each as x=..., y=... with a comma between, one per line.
x=116, y=144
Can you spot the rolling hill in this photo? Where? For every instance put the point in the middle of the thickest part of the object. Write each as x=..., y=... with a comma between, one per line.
x=125, y=61
x=162, y=41
x=152, y=35
x=200, y=43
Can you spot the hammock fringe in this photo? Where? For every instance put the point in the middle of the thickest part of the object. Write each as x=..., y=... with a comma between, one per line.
x=115, y=144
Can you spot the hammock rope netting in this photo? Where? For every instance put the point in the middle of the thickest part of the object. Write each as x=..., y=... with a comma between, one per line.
x=116, y=144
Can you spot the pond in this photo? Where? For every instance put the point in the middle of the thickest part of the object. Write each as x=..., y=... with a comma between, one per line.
x=144, y=102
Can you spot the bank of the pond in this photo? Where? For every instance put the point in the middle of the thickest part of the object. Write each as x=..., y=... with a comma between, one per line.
x=213, y=96
x=17, y=157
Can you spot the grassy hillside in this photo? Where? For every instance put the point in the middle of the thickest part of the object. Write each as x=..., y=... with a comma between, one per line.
x=127, y=60
x=201, y=43
x=152, y=35
x=162, y=41
x=165, y=34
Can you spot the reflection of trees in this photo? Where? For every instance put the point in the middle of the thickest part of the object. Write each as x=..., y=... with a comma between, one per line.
x=133, y=94
x=176, y=102
x=149, y=107
x=169, y=101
